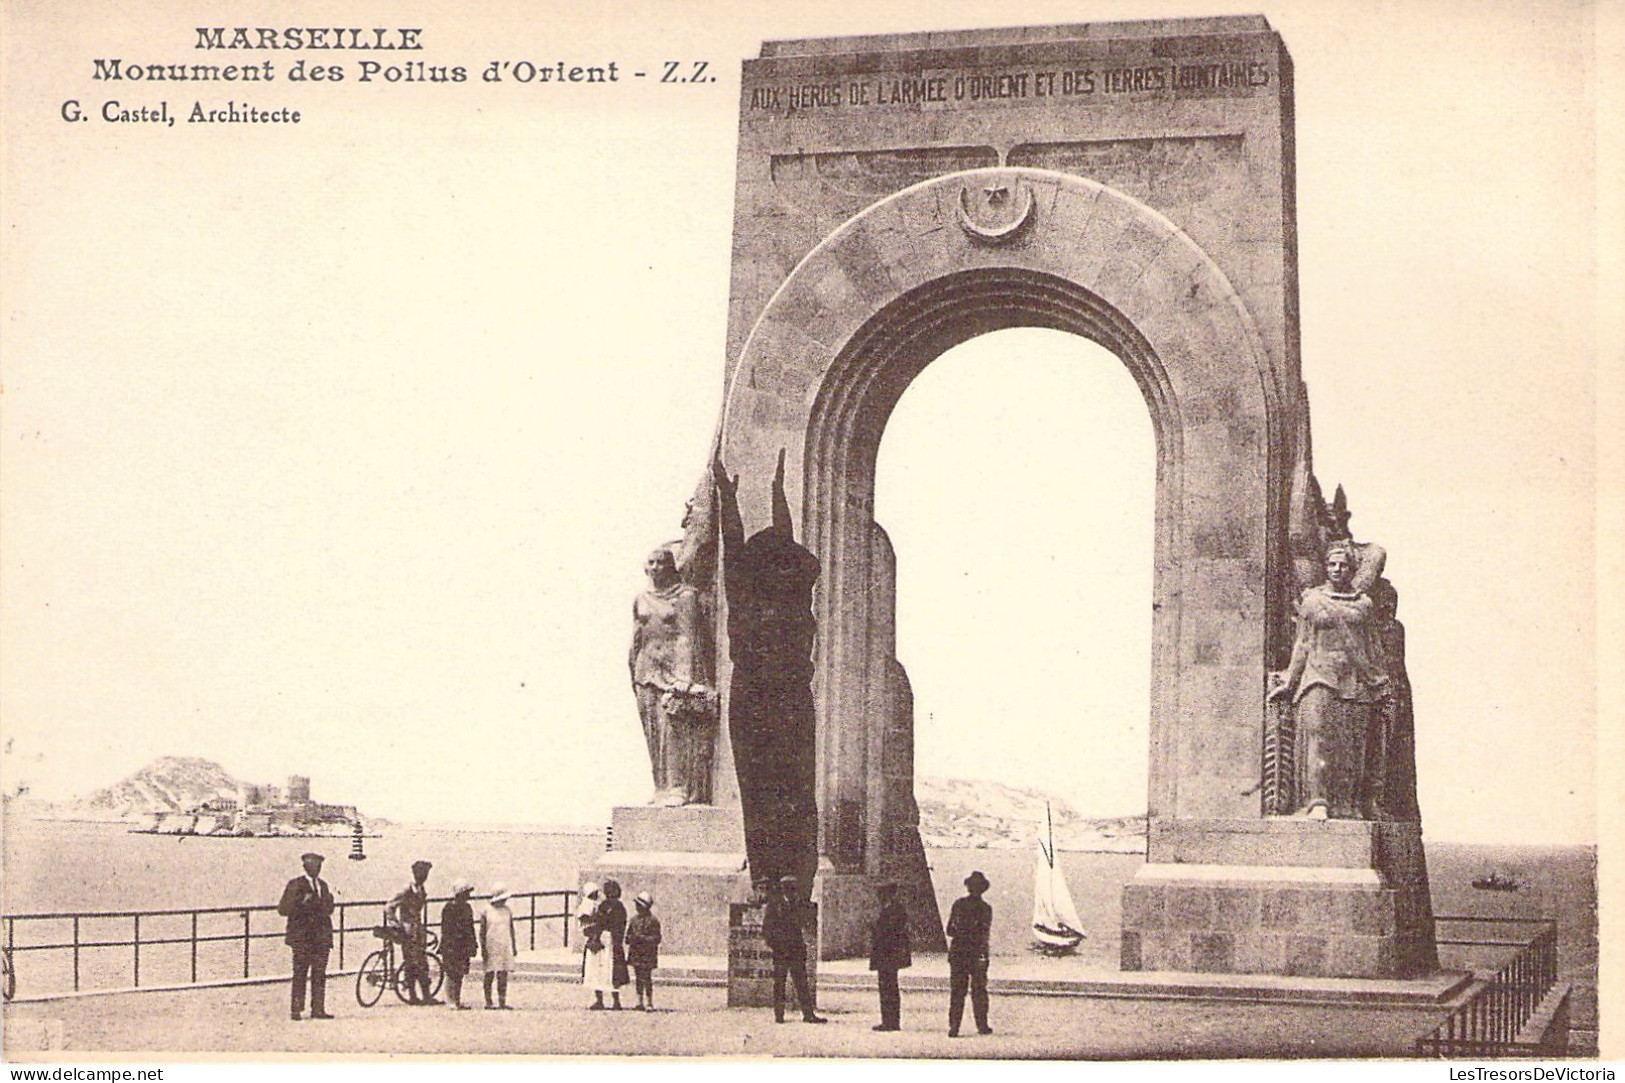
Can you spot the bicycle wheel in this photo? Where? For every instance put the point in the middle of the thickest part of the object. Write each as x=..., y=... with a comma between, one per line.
x=406, y=987
x=371, y=979
x=411, y=992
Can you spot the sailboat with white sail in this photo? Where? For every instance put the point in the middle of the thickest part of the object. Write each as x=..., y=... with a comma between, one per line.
x=1057, y=929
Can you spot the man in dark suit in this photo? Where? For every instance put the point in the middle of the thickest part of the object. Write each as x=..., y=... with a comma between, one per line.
x=781, y=928
x=968, y=925
x=889, y=953
x=307, y=903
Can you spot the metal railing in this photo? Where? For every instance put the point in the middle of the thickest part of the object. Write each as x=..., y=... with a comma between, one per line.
x=189, y=930
x=1489, y=1023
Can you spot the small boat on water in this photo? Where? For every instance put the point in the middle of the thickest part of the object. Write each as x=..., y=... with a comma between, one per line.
x=1057, y=930
x=1496, y=882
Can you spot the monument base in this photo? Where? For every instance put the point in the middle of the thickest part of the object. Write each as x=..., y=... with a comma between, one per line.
x=851, y=902
x=847, y=913
x=1332, y=898
x=691, y=859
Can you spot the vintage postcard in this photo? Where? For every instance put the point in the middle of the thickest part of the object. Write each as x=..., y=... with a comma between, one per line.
x=919, y=531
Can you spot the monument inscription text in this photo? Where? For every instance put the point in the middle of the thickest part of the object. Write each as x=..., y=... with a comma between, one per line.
x=950, y=87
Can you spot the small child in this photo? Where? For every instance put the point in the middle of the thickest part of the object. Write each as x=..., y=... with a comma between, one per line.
x=643, y=949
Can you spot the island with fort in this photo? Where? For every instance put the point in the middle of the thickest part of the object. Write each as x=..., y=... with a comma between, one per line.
x=258, y=811
x=188, y=795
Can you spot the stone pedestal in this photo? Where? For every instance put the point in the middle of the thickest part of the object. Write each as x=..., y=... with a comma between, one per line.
x=691, y=859
x=1334, y=898
x=697, y=829
x=849, y=909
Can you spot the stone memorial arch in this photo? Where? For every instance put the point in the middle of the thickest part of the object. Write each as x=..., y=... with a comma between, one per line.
x=1131, y=183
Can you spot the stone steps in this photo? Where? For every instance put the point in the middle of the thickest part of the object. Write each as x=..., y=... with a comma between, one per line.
x=1035, y=977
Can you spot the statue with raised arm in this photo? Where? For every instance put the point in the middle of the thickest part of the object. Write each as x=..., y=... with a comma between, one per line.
x=1338, y=691
x=769, y=581
x=696, y=552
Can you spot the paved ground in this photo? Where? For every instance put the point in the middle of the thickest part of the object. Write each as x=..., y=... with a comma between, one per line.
x=552, y=1018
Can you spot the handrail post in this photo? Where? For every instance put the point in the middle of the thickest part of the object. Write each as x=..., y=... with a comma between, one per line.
x=533, y=921
x=138, y=951
x=194, y=947
x=76, y=953
x=1504, y=1011
x=246, y=942
x=342, y=907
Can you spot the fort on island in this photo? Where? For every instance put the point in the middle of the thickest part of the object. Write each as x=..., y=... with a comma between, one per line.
x=258, y=811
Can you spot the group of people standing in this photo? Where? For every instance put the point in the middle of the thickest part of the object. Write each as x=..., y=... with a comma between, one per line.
x=463, y=934
x=619, y=949
x=307, y=903
x=490, y=934
x=969, y=924
x=615, y=948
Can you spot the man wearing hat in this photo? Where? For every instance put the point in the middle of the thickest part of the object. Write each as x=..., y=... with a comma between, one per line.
x=307, y=903
x=968, y=925
x=409, y=912
x=781, y=928
x=889, y=953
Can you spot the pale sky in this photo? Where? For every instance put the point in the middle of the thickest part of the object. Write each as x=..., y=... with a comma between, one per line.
x=336, y=449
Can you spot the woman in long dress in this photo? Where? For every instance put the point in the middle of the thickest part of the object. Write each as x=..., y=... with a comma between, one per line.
x=612, y=919
x=1337, y=686
x=498, y=946
x=597, y=962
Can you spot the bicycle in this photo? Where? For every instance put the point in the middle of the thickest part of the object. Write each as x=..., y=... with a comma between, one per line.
x=380, y=971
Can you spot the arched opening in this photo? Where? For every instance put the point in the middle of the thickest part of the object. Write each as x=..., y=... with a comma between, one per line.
x=1016, y=479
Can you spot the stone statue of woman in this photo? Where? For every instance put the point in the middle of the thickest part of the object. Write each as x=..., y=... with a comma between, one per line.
x=668, y=663
x=1337, y=687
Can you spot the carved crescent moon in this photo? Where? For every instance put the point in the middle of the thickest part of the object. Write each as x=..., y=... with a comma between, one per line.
x=995, y=234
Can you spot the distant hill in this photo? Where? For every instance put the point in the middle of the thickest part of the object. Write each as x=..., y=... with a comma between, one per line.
x=962, y=812
x=169, y=782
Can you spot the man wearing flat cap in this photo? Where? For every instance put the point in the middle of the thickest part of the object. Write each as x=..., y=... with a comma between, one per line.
x=968, y=925
x=409, y=912
x=307, y=903
x=781, y=928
